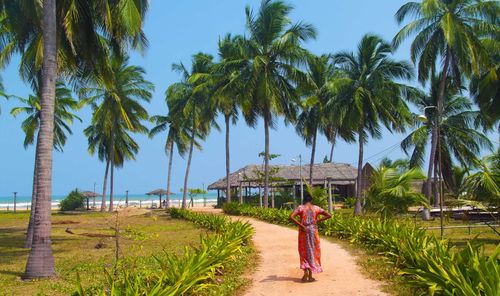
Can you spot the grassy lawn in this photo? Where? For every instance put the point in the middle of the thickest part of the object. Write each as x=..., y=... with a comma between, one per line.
x=142, y=235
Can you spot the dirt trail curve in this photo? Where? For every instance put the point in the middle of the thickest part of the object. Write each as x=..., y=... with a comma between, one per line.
x=278, y=272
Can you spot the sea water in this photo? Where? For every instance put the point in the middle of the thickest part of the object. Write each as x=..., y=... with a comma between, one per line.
x=24, y=202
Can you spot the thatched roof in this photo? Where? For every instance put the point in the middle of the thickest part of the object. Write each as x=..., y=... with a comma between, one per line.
x=89, y=194
x=158, y=192
x=336, y=173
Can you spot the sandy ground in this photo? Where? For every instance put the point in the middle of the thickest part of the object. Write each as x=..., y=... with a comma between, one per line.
x=278, y=271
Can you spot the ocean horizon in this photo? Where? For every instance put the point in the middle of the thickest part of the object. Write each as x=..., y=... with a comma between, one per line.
x=118, y=199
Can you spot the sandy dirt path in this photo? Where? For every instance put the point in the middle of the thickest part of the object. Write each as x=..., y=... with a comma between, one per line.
x=278, y=271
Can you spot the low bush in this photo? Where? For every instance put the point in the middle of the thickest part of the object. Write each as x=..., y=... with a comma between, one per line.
x=192, y=272
x=75, y=200
x=429, y=262
x=349, y=203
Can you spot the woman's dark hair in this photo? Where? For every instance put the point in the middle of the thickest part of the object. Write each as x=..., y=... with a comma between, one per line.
x=307, y=197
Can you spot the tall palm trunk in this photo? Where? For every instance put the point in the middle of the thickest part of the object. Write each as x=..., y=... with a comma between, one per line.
x=40, y=260
x=31, y=223
x=185, y=189
x=104, y=185
x=111, y=181
x=435, y=130
x=426, y=215
x=359, y=180
x=334, y=138
x=435, y=183
x=313, y=152
x=111, y=186
x=266, y=160
x=169, y=172
x=228, y=184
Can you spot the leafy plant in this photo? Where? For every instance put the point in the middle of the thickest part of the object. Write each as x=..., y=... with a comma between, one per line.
x=391, y=191
x=319, y=195
x=74, y=200
x=349, y=203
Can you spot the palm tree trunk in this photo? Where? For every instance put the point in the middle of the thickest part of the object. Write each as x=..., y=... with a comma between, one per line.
x=31, y=223
x=169, y=172
x=111, y=186
x=313, y=152
x=426, y=215
x=228, y=184
x=334, y=138
x=266, y=160
x=104, y=185
x=40, y=260
x=435, y=185
x=112, y=159
x=435, y=129
x=185, y=189
x=357, y=208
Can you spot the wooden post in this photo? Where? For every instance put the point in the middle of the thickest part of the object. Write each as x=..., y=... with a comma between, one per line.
x=272, y=197
x=330, y=204
x=218, y=198
x=15, y=201
x=160, y=201
x=260, y=196
x=241, y=193
x=126, y=198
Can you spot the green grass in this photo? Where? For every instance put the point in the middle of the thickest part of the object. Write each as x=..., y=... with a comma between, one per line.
x=142, y=235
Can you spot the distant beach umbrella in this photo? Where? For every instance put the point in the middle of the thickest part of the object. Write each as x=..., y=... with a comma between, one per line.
x=88, y=195
x=160, y=193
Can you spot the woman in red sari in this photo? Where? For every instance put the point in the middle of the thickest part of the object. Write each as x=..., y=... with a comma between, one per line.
x=309, y=248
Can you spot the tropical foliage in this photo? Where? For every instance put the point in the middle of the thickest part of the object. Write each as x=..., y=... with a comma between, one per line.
x=64, y=115
x=392, y=192
x=74, y=200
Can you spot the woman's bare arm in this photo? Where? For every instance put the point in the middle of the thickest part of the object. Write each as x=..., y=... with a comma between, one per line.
x=325, y=215
x=292, y=218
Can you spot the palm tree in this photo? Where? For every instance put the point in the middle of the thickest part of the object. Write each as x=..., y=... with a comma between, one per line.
x=446, y=31
x=178, y=135
x=268, y=83
x=391, y=191
x=484, y=184
x=65, y=104
x=65, y=40
x=193, y=100
x=457, y=134
x=63, y=118
x=316, y=116
x=367, y=94
x=116, y=101
x=218, y=82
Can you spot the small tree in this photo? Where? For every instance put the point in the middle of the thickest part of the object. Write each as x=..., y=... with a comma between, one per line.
x=319, y=195
x=74, y=200
x=391, y=191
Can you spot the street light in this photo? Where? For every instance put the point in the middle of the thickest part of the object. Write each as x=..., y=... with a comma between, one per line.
x=294, y=160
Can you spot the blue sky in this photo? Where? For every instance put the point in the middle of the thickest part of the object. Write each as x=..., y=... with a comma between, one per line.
x=176, y=30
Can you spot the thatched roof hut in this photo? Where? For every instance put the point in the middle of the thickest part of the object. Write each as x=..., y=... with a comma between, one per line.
x=250, y=175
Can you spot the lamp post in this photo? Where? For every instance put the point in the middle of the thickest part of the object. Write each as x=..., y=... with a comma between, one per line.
x=301, y=181
x=15, y=197
x=424, y=118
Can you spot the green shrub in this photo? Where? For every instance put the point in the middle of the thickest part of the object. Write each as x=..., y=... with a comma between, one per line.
x=349, y=203
x=429, y=262
x=74, y=200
